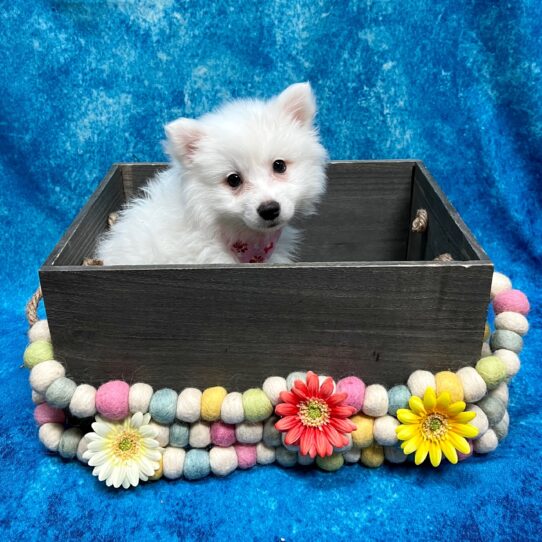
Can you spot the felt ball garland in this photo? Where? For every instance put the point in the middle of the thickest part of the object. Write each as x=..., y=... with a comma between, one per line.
x=216, y=431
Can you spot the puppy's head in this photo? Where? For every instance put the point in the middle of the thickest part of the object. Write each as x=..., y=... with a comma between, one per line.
x=252, y=164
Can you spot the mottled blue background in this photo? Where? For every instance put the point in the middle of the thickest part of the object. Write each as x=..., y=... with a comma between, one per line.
x=457, y=84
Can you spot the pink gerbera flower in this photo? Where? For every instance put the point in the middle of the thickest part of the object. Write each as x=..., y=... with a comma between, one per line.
x=314, y=417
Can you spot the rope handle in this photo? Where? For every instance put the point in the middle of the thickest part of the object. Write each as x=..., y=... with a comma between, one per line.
x=419, y=224
x=32, y=307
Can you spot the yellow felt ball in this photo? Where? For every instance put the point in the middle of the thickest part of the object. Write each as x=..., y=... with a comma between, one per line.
x=448, y=381
x=159, y=472
x=363, y=435
x=211, y=403
x=373, y=456
x=487, y=332
x=37, y=352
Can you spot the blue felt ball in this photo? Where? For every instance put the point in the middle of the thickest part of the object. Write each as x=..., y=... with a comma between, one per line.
x=398, y=397
x=163, y=406
x=178, y=435
x=196, y=464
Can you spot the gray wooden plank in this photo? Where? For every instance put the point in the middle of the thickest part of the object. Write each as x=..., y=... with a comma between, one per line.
x=363, y=216
x=236, y=325
x=80, y=238
x=446, y=231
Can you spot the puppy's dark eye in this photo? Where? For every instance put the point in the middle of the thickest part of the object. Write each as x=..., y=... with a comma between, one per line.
x=234, y=180
x=279, y=166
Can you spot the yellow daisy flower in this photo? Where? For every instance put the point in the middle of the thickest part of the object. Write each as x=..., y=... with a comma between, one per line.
x=435, y=426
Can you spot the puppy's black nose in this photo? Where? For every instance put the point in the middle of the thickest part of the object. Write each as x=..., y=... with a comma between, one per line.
x=269, y=210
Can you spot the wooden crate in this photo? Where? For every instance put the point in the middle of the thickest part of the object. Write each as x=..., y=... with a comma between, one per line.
x=366, y=298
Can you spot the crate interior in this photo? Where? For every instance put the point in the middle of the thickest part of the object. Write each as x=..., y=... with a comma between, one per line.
x=365, y=216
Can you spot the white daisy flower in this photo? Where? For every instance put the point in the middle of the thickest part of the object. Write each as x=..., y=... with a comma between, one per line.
x=122, y=453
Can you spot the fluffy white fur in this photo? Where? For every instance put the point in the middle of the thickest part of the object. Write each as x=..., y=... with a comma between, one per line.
x=189, y=214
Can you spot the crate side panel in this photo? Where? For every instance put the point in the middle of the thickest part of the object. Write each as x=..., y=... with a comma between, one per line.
x=236, y=326
x=446, y=232
x=80, y=240
x=363, y=216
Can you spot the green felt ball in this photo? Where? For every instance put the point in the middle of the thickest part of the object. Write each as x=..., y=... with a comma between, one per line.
x=493, y=370
x=330, y=463
x=37, y=352
x=256, y=405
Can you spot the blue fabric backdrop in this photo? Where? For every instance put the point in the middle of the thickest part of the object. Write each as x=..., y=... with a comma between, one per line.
x=457, y=84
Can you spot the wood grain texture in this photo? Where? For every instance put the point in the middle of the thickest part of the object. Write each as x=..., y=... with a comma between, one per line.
x=446, y=231
x=80, y=239
x=237, y=325
x=363, y=216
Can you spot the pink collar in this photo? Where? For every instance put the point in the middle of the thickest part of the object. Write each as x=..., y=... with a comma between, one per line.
x=254, y=250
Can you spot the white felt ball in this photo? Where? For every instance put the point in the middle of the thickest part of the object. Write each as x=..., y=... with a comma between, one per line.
x=511, y=361
x=284, y=457
x=162, y=433
x=500, y=283
x=232, y=410
x=304, y=459
x=265, y=455
x=480, y=421
x=39, y=332
x=139, y=397
x=83, y=401
x=82, y=448
x=189, y=405
x=173, y=462
x=384, y=430
x=50, y=435
x=352, y=455
x=512, y=321
x=474, y=386
x=486, y=351
x=272, y=388
x=37, y=398
x=501, y=392
x=223, y=461
x=249, y=433
x=44, y=374
x=376, y=401
x=200, y=435
x=394, y=454
x=501, y=428
x=419, y=381
x=486, y=443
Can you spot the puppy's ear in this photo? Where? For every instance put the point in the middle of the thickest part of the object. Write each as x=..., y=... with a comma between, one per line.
x=298, y=102
x=183, y=138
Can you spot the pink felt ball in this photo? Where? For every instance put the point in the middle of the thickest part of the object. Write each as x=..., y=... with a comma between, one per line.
x=512, y=301
x=112, y=400
x=355, y=390
x=45, y=413
x=461, y=456
x=246, y=455
x=222, y=434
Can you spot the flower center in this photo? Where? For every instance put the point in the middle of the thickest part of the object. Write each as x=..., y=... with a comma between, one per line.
x=434, y=426
x=314, y=412
x=127, y=444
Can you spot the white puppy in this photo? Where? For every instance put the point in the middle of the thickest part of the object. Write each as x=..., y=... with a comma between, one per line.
x=237, y=178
